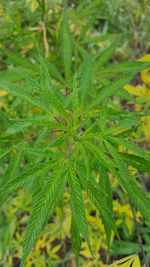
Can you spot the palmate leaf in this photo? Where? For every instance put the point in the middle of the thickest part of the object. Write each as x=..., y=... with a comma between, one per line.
x=13, y=167
x=87, y=10
x=48, y=68
x=11, y=171
x=124, y=68
x=35, y=100
x=84, y=76
x=19, y=60
x=137, y=162
x=131, y=146
x=127, y=262
x=45, y=202
x=75, y=235
x=43, y=152
x=22, y=93
x=105, y=55
x=75, y=95
x=5, y=151
x=55, y=103
x=45, y=77
x=100, y=38
x=98, y=196
x=104, y=184
x=47, y=89
x=112, y=114
x=24, y=177
x=135, y=193
x=122, y=125
x=111, y=89
x=54, y=72
x=20, y=125
x=66, y=41
x=85, y=28
x=77, y=205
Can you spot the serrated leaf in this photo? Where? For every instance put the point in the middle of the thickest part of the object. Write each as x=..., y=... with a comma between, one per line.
x=104, y=184
x=25, y=177
x=136, y=262
x=139, y=151
x=100, y=38
x=135, y=193
x=84, y=76
x=17, y=60
x=5, y=151
x=122, y=125
x=124, y=67
x=75, y=235
x=45, y=201
x=20, y=125
x=136, y=162
x=97, y=196
x=66, y=40
x=54, y=72
x=23, y=94
x=106, y=54
x=111, y=89
x=77, y=205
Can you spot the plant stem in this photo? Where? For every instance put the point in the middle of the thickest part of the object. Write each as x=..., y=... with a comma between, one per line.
x=139, y=239
x=43, y=24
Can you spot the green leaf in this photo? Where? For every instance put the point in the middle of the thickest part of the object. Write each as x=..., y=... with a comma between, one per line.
x=122, y=125
x=138, y=197
x=75, y=235
x=66, y=41
x=54, y=72
x=104, y=184
x=111, y=89
x=84, y=76
x=96, y=194
x=5, y=151
x=20, y=125
x=17, y=60
x=22, y=93
x=100, y=38
x=124, y=67
x=75, y=95
x=10, y=173
x=46, y=200
x=131, y=146
x=77, y=205
x=85, y=28
x=106, y=54
x=25, y=177
x=136, y=162
x=13, y=167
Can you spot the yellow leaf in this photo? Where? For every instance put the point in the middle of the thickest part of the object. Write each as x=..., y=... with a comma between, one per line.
x=137, y=107
x=128, y=223
x=126, y=262
x=145, y=58
x=33, y=5
x=147, y=129
x=136, y=262
x=145, y=76
x=3, y=93
x=133, y=90
x=55, y=249
x=86, y=253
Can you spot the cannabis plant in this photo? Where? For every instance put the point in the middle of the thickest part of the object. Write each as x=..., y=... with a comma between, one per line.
x=76, y=138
